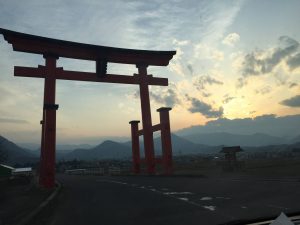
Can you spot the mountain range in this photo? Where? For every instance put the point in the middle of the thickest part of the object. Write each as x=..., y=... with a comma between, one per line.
x=190, y=144
x=224, y=138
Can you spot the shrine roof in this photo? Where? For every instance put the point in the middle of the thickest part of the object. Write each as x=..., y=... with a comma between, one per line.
x=41, y=45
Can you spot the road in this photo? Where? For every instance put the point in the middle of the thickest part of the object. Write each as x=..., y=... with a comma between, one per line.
x=117, y=200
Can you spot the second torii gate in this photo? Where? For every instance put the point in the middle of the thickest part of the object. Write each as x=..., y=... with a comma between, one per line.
x=51, y=50
x=166, y=144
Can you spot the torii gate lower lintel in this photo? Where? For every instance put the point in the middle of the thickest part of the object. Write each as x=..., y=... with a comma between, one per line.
x=52, y=49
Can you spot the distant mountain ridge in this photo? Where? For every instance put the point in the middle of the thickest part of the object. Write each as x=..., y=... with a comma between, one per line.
x=224, y=138
x=181, y=145
x=15, y=154
x=60, y=147
x=295, y=139
x=106, y=150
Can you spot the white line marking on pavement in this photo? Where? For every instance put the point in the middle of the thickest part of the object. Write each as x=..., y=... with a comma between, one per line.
x=210, y=207
x=150, y=188
x=178, y=193
x=183, y=199
x=227, y=198
x=206, y=198
x=186, y=200
x=112, y=181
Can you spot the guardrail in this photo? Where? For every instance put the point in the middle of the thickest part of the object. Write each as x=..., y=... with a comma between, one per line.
x=112, y=170
x=87, y=171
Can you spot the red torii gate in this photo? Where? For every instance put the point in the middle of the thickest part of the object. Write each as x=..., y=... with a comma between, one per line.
x=52, y=49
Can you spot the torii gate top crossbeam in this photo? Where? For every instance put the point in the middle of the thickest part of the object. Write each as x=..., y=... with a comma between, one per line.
x=60, y=48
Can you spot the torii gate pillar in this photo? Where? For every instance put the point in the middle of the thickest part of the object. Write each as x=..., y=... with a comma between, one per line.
x=136, y=160
x=146, y=119
x=47, y=165
x=166, y=142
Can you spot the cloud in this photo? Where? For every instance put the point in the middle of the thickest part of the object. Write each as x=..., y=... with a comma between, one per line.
x=175, y=64
x=241, y=82
x=203, y=51
x=182, y=20
x=264, y=90
x=176, y=67
x=292, y=102
x=180, y=43
x=190, y=68
x=168, y=98
x=202, y=81
x=231, y=39
x=251, y=64
x=15, y=121
x=205, y=94
x=294, y=61
x=262, y=62
x=204, y=108
x=293, y=84
x=281, y=78
x=227, y=99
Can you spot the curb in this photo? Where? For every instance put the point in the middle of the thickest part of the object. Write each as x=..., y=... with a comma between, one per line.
x=37, y=210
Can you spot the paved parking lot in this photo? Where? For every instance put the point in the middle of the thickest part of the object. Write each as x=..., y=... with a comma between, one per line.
x=171, y=200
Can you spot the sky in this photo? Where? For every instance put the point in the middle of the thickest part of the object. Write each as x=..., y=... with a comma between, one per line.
x=235, y=60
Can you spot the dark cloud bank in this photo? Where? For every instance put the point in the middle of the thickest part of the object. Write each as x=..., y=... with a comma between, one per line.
x=292, y=102
x=285, y=126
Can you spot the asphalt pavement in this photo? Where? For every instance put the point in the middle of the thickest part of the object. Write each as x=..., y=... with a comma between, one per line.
x=117, y=200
